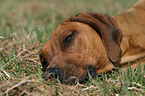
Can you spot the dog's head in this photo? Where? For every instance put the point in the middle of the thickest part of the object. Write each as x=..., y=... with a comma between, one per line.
x=86, y=43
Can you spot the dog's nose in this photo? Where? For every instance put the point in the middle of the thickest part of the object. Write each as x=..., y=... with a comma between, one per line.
x=52, y=73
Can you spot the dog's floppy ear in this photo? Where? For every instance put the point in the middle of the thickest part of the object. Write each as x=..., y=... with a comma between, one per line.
x=108, y=30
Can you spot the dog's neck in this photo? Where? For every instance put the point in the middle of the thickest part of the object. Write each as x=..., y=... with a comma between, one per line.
x=131, y=23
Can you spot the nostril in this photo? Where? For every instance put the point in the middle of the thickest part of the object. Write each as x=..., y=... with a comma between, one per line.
x=52, y=73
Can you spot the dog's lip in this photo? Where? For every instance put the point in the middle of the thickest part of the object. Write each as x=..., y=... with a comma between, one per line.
x=71, y=79
x=90, y=71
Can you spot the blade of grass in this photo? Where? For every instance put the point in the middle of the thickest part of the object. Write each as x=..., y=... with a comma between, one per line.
x=5, y=72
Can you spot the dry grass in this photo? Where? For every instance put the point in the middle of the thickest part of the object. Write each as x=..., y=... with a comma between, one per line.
x=26, y=25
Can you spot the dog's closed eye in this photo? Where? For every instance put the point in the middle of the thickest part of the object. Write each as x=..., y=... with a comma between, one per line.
x=67, y=40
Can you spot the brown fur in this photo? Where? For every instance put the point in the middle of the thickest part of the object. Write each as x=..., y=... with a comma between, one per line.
x=132, y=23
x=99, y=40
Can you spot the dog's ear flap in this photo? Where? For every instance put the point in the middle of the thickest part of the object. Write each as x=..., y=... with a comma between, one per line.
x=108, y=30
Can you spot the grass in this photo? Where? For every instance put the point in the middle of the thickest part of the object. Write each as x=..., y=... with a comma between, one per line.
x=25, y=25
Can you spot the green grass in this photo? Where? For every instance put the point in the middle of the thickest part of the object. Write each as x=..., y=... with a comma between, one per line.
x=25, y=25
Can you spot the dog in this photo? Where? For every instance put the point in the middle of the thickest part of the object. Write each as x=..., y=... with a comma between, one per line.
x=92, y=43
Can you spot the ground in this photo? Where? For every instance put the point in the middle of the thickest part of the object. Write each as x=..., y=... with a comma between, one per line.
x=25, y=25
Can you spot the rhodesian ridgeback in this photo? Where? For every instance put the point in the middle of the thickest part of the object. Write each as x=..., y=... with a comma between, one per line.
x=95, y=43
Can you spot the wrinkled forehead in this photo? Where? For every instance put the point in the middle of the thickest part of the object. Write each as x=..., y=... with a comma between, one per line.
x=66, y=26
x=69, y=27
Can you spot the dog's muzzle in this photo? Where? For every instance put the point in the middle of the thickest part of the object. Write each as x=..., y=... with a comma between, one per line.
x=56, y=73
x=53, y=73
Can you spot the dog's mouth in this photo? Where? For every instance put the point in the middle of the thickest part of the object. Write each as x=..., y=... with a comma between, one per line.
x=65, y=76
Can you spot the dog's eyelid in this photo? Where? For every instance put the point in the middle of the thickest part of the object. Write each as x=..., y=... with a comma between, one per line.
x=68, y=39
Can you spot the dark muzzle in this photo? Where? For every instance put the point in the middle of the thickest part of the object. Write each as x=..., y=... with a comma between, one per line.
x=53, y=73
